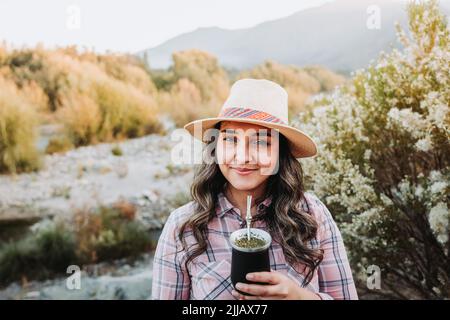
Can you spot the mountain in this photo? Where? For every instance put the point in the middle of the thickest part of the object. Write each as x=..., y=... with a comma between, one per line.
x=334, y=35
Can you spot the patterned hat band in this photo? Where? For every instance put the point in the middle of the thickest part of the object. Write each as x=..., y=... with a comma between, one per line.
x=248, y=113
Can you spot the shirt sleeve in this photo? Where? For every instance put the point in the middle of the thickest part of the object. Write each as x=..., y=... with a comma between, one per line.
x=334, y=272
x=171, y=280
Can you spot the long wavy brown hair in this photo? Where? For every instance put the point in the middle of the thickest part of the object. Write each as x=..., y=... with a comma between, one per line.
x=287, y=222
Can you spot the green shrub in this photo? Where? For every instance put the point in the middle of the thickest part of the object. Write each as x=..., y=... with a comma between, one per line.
x=110, y=233
x=18, y=260
x=117, y=151
x=38, y=256
x=127, y=239
x=120, y=236
x=56, y=248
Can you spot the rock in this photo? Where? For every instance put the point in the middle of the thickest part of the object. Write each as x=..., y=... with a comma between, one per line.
x=150, y=195
x=32, y=295
x=132, y=287
x=135, y=286
x=80, y=177
x=121, y=169
x=44, y=224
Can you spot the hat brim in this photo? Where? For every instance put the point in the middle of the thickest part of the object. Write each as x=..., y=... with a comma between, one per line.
x=301, y=145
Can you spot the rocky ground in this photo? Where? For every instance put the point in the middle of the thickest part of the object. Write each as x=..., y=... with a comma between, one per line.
x=92, y=175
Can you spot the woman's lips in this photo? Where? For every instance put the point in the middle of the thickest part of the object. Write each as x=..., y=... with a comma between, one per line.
x=244, y=171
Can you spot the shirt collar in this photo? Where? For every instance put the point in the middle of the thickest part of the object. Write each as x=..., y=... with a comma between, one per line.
x=224, y=205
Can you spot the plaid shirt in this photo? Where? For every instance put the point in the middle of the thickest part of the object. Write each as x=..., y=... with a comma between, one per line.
x=208, y=275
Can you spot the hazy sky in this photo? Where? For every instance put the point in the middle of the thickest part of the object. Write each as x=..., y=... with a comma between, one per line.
x=130, y=25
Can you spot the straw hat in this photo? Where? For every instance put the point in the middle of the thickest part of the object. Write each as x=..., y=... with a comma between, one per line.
x=261, y=102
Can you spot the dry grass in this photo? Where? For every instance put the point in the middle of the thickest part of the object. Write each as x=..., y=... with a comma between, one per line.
x=184, y=103
x=59, y=144
x=125, y=111
x=96, y=97
x=17, y=131
x=195, y=87
x=103, y=108
x=81, y=118
x=111, y=97
x=202, y=69
x=300, y=83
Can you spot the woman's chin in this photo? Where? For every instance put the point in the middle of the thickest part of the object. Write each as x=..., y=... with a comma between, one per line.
x=243, y=185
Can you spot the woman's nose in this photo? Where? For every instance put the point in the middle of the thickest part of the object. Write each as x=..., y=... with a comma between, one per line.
x=243, y=155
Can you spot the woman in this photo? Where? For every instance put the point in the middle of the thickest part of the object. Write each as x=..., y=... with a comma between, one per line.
x=254, y=152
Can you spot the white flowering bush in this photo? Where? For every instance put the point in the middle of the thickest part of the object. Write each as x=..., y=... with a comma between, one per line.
x=383, y=166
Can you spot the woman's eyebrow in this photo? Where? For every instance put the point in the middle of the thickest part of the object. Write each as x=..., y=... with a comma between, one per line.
x=231, y=131
x=262, y=133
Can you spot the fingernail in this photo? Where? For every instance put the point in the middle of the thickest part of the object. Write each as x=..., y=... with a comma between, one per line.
x=249, y=276
x=238, y=285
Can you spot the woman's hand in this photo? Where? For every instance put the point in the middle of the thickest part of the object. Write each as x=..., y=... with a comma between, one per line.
x=279, y=286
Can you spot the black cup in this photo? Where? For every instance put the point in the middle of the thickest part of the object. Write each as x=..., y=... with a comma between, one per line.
x=246, y=260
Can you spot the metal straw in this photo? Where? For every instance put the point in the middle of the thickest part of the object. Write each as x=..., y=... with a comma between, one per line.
x=248, y=218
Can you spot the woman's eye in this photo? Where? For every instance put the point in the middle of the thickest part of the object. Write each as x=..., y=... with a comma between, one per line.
x=229, y=139
x=261, y=142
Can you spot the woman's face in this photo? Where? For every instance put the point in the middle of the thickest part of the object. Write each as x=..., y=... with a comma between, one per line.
x=247, y=154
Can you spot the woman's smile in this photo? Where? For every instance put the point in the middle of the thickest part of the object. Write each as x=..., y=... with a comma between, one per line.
x=243, y=171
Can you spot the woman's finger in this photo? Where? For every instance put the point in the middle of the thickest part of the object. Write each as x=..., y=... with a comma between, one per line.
x=240, y=296
x=251, y=298
x=262, y=298
x=259, y=290
x=264, y=276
